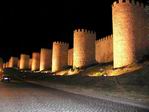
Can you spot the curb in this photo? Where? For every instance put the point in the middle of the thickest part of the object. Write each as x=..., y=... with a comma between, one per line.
x=109, y=98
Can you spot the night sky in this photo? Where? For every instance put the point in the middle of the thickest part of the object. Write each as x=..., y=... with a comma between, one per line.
x=28, y=26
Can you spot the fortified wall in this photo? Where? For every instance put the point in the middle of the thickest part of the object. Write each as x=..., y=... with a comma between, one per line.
x=24, y=61
x=7, y=64
x=35, y=61
x=13, y=62
x=1, y=64
x=128, y=32
x=70, y=57
x=4, y=65
x=30, y=63
x=84, y=48
x=59, y=56
x=104, y=49
x=45, y=59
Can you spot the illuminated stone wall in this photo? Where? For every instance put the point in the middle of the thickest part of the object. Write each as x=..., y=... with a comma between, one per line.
x=70, y=57
x=128, y=32
x=84, y=48
x=13, y=62
x=104, y=49
x=59, y=56
x=24, y=61
x=1, y=64
x=45, y=59
x=4, y=65
x=35, y=61
x=7, y=64
x=30, y=63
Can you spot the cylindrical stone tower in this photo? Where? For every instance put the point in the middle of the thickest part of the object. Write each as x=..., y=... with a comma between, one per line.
x=7, y=64
x=24, y=61
x=128, y=32
x=30, y=63
x=84, y=48
x=4, y=65
x=45, y=59
x=13, y=62
x=35, y=61
x=1, y=64
x=70, y=57
x=59, y=56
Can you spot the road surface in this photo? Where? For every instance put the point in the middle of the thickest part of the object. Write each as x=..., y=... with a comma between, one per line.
x=25, y=97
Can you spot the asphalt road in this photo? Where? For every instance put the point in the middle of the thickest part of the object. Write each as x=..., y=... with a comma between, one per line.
x=24, y=97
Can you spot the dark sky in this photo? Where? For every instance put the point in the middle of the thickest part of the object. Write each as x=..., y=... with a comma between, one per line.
x=28, y=26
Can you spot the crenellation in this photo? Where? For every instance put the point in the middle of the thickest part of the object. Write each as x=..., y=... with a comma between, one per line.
x=120, y=1
x=60, y=43
x=114, y=3
x=133, y=3
x=91, y=32
x=128, y=1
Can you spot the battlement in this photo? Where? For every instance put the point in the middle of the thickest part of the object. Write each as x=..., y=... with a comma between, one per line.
x=44, y=49
x=108, y=37
x=35, y=54
x=61, y=43
x=85, y=31
x=24, y=55
x=131, y=2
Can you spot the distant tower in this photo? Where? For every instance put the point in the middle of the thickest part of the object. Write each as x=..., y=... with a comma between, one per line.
x=128, y=32
x=70, y=57
x=13, y=62
x=4, y=65
x=35, y=61
x=7, y=64
x=84, y=48
x=30, y=63
x=45, y=59
x=59, y=56
x=24, y=61
x=1, y=64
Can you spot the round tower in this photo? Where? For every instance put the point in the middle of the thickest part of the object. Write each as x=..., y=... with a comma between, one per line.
x=45, y=59
x=7, y=64
x=59, y=56
x=13, y=62
x=24, y=61
x=128, y=32
x=30, y=63
x=35, y=61
x=4, y=65
x=70, y=57
x=84, y=48
x=1, y=64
